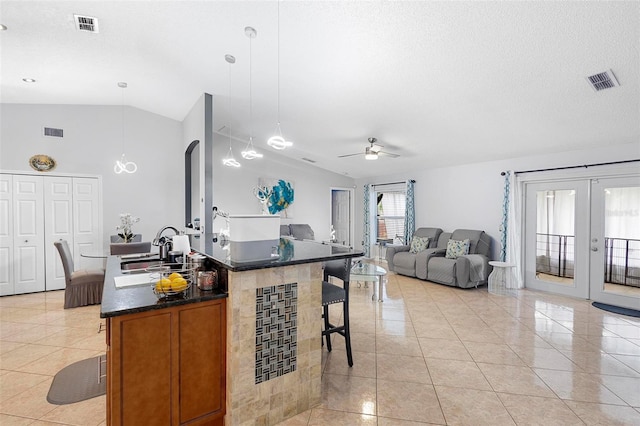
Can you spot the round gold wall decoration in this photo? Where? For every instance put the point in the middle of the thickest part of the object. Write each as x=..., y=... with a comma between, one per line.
x=42, y=163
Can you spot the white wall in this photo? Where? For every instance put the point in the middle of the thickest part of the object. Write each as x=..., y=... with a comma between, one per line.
x=470, y=196
x=233, y=187
x=92, y=143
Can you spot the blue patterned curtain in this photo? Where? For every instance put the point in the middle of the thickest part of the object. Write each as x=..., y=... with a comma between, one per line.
x=366, y=234
x=505, y=218
x=410, y=213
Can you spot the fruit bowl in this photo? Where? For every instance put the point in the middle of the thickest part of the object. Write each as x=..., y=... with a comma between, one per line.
x=170, y=279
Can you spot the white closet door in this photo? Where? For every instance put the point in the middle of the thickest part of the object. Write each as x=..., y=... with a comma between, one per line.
x=87, y=221
x=58, y=202
x=28, y=217
x=6, y=235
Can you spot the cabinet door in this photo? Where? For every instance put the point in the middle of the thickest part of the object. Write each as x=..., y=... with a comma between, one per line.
x=58, y=202
x=28, y=228
x=6, y=235
x=202, y=361
x=87, y=221
x=141, y=369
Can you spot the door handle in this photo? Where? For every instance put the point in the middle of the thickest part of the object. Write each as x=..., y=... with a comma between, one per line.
x=594, y=248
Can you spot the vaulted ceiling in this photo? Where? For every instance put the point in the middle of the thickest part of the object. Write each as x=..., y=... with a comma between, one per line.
x=439, y=83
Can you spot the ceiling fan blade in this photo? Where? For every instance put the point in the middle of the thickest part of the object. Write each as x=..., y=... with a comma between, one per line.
x=389, y=154
x=349, y=155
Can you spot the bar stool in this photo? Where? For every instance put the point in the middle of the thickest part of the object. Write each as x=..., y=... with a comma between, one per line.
x=331, y=294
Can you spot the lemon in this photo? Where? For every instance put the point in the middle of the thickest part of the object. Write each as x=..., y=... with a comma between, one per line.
x=179, y=284
x=174, y=276
x=163, y=285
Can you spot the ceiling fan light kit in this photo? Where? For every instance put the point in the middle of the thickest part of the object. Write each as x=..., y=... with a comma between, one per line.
x=372, y=152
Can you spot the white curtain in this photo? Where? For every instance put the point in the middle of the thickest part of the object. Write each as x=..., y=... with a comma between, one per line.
x=514, y=227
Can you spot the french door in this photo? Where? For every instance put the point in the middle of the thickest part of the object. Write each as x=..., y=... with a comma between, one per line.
x=615, y=242
x=582, y=239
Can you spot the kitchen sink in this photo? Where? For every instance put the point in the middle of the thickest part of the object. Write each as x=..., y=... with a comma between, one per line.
x=139, y=265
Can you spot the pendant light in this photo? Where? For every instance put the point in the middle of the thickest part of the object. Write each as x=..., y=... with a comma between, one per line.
x=122, y=165
x=278, y=141
x=229, y=160
x=250, y=152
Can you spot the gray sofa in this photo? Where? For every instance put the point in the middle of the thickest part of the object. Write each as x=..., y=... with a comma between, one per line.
x=465, y=271
x=299, y=231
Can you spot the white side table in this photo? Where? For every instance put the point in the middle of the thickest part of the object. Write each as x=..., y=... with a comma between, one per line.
x=498, y=279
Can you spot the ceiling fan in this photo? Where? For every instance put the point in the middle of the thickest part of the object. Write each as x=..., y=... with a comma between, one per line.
x=371, y=152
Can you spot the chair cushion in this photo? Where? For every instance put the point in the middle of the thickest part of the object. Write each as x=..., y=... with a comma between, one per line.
x=442, y=270
x=331, y=293
x=457, y=248
x=87, y=276
x=419, y=244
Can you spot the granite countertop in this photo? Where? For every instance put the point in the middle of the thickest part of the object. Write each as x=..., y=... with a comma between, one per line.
x=141, y=298
x=287, y=251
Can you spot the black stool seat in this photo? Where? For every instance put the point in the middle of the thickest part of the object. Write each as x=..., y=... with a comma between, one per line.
x=332, y=293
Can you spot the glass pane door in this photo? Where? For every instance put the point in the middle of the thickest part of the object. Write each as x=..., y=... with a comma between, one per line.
x=615, y=241
x=556, y=227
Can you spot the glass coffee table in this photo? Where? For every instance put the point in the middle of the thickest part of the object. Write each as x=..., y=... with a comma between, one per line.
x=369, y=272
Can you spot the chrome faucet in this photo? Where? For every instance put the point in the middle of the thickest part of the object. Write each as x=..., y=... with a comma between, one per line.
x=164, y=243
x=156, y=240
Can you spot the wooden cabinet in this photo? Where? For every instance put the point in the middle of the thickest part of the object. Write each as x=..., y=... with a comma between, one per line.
x=167, y=366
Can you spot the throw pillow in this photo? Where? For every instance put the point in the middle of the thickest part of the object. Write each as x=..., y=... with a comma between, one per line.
x=418, y=244
x=457, y=248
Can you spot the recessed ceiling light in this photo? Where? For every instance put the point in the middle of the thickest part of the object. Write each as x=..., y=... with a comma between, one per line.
x=3, y=27
x=29, y=80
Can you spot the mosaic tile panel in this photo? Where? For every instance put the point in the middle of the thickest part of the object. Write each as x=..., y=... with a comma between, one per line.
x=276, y=331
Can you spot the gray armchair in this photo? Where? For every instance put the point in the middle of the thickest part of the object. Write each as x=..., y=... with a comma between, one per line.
x=469, y=270
x=402, y=261
x=301, y=231
x=83, y=287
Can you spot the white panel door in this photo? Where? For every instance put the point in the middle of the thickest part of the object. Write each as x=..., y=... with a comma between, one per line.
x=28, y=226
x=87, y=222
x=6, y=235
x=341, y=200
x=58, y=202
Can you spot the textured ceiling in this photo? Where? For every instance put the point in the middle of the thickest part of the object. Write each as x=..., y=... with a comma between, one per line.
x=440, y=83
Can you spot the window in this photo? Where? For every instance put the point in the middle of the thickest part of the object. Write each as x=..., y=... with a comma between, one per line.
x=390, y=215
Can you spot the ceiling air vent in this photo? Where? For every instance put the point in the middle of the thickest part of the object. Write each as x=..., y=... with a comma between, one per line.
x=50, y=131
x=86, y=23
x=603, y=80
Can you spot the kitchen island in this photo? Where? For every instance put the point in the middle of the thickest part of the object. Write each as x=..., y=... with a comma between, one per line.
x=264, y=323
x=274, y=324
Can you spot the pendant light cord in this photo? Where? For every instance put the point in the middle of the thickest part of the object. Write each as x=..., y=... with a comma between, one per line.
x=278, y=61
x=229, y=103
x=122, y=111
x=250, y=91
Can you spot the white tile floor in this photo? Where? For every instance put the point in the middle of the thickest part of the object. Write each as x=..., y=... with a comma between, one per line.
x=429, y=354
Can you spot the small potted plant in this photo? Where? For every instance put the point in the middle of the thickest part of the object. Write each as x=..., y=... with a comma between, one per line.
x=125, y=229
